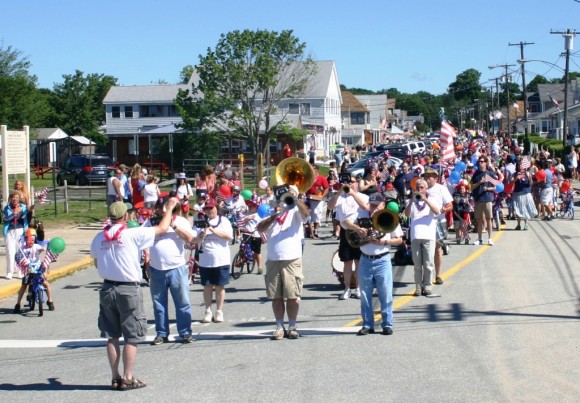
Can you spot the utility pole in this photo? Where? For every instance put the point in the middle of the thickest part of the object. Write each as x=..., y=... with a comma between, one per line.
x=521, y=45
x=568, y=45
x=505, y=66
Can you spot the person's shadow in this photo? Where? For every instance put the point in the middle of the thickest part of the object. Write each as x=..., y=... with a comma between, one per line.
x=53, y=384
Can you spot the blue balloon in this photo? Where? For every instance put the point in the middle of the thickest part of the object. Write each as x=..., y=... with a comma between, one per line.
x=474, y=160
x=499, y=187
x=460, y=166
x=454, y=177
x=264, y=210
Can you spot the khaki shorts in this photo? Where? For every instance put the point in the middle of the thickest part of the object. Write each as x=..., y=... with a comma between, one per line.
x=481, y=209
x=284, y=279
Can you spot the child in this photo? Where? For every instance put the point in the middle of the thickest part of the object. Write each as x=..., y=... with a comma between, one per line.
x=29, y=253
x=461, y=208
x=248, y=225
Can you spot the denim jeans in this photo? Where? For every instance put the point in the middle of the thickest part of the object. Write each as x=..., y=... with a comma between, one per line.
x=376, y=273
x=174, y=280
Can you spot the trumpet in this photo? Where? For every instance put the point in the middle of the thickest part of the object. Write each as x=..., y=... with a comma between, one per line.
x=288, y=200
x=345, y=189
x=418, y=196
x=383, y=222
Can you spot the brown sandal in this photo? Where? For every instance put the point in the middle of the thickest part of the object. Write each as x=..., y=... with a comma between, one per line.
x=116, y=383
x=132, y=384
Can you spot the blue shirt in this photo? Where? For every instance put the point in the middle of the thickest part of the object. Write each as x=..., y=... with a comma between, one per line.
x=479, y=194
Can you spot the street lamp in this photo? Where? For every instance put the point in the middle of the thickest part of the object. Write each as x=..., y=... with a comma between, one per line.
x=505, y=66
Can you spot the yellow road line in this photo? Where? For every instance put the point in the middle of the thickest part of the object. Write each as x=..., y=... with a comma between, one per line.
x=405, y=299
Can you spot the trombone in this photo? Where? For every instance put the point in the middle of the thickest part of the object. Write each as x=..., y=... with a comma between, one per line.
x=383, y=222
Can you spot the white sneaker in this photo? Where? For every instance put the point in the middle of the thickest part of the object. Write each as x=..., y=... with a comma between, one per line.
x=357, y=293
x=9, y=276
x=207, y=317
x=345, y=294
x=219, y=316
x=490, y=242
x=478, y=242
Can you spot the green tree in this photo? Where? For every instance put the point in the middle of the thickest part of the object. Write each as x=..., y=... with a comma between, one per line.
x=78, y=103
x=20, y=102
x=533, y=85
x=186, y=74
x=241, y=83
x=466, y=86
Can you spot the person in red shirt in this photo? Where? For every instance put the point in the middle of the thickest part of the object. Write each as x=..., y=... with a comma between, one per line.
x=287, y=151
x=316, y=194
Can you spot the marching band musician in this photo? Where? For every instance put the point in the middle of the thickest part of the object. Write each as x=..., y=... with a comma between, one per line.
x=375, y=268
x=346, y=207
x=423, y=211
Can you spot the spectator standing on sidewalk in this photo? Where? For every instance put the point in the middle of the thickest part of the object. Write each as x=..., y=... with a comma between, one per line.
x=482, y=189
x=168, y=273
x=116, y=252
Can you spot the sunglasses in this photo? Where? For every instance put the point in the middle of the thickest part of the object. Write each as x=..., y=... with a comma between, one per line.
x=483, y=161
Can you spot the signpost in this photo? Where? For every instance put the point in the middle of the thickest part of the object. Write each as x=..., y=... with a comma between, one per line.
x=15, y=158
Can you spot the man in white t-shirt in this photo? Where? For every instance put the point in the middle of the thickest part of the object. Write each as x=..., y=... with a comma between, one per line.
x=168, y=273
x=443, y=197
x=116, y=252
x=284, y=278
x=375, y=267
x=423, y=211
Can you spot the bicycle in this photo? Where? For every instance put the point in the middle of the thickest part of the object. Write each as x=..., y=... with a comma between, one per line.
x=244, y=258
x=567, y=205
x=36, y=291
x=192, y=263
x=497, y=212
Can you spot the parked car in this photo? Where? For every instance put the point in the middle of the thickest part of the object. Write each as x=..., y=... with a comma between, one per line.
x=359, y=166
x=414, y=147
x=85, y=169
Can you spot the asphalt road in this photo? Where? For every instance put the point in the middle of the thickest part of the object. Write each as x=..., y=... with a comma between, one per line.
x=503, y=327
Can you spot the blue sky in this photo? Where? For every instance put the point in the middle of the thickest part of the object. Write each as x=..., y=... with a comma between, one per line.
x=411, y=45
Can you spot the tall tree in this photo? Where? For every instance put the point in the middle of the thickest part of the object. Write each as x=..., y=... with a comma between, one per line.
x=466, y=86
x=20, y=102
x=533, y=85
x=241, y=83
x=79, y=104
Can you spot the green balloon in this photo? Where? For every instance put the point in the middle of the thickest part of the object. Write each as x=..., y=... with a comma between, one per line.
x=393, y=206
x=57, y=245
x=246, y=194
x=132, y=224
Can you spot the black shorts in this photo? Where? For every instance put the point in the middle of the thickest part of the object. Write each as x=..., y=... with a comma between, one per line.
x=255, y=243
x=345, y=251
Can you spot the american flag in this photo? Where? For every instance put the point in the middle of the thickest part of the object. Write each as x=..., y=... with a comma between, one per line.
x=525, y=163
x=311, y=140
x=447, y=136
x=554, y=101
x=492, y=180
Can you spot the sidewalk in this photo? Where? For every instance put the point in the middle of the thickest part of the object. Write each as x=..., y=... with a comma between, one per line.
x=75, y=257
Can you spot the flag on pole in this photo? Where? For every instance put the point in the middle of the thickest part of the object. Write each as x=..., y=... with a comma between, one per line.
x=525, y=163
x=554, y=101
x=495, y=182
x=447, y=136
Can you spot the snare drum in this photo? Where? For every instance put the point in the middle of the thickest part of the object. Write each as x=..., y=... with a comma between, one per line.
x=338, y=270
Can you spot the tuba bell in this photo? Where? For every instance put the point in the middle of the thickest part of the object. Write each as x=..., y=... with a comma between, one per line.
x=295, y=171
x=383, y=222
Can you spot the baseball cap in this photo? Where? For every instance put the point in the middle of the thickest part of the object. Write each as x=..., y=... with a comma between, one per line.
x=251, y=203
x=117, y=210
x=376, y=198
x=209, y=203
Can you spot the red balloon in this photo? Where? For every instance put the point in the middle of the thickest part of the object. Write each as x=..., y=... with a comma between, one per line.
x=414, y=183
x=509, y=188
x=565, y=186
x=541, y=175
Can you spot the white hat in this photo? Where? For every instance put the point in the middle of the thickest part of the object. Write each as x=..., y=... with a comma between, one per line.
x=181, y=175
x=144, y=171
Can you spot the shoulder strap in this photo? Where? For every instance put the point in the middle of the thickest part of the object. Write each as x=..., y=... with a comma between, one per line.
x=116, y=235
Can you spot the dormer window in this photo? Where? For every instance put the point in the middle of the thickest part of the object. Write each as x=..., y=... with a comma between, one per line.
x=116, y=111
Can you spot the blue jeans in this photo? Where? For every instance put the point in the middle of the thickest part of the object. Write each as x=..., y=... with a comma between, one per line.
x=376, y=273
x=174, y=280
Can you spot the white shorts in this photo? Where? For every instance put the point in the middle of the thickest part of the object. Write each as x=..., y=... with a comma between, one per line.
x=547, y=197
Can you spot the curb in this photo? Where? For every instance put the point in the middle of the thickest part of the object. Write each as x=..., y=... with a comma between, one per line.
x=11, y=289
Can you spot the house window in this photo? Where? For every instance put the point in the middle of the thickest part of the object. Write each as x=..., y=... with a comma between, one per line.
x=357, y=118
x=273, y=146
x=293, y=109
x=116, y=111
x=129, y=111
x=302, y=108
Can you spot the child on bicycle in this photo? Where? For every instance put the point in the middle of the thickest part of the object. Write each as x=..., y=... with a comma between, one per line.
x=29, y=252
x=461, y=209
x=248, y=225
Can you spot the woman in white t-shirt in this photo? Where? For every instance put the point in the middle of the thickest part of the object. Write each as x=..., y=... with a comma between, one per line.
x=150, y=192
x=214, y=262
x=183, y=192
